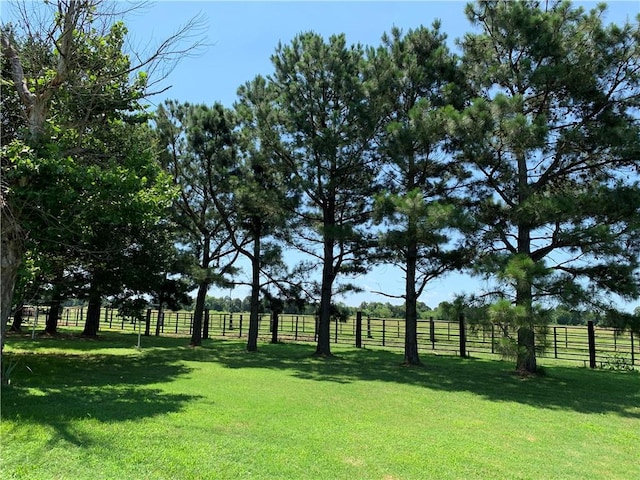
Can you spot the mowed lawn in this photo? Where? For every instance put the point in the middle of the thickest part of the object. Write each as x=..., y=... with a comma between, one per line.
x=101, y=409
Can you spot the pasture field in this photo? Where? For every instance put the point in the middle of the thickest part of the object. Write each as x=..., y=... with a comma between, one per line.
x=102, y=409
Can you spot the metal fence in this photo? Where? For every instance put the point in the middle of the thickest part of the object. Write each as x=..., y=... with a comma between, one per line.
x=585, y=344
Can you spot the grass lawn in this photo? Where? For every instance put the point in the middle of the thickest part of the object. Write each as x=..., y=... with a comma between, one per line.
x=100, y=409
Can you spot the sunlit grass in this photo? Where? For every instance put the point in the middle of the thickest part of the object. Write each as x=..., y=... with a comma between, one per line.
x=101, y=409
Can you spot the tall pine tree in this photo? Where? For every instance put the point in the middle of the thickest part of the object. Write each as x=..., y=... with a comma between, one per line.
x=553, y=142
x=327, y=122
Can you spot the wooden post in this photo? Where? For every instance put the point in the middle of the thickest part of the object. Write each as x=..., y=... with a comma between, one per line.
x=633, y=354
x=359, y=330
x=432, y=333
x=463, y=337
x=205, y=328
x=592, y=344
x=493, y=338
x=384, y=331
x=274, y=329
x=555, y=342
x=296, y=336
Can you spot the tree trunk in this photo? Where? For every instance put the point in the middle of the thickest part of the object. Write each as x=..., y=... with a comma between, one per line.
x=324, y=322
x=205, y=324
x=160, y=319
x=55, y=309
x=11, y=250
x=411, y=356
x=196, y=334
x=18, y=317
x=51, y=325
x=252, y=341
x=526, y=361
x=92, y=322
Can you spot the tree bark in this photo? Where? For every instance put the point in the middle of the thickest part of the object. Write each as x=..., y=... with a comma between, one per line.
x=51, y=325
x=160, y=319
x=196, y=334
x=411, y=356
x=252, y=341
x=18, y=317
x=274, y=327
x=324, y=323
x=92, y=322
x=526, y=361
x=526, y=358
x=11, y=251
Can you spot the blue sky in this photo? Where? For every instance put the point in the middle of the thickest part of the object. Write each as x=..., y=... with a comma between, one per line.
x=243, y=35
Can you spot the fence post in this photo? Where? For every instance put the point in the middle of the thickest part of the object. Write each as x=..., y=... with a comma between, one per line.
x=240, y=332
x=493, y=338
x=432, y=333
x=274, y=330
x=335, y=336
x=358, y=329
x=205, y=328
x=463, y=337
x=592, y=344
x=384, y=331
x=315, y=335
x=555, y=342
x=296, y=336
x=147, y=323
x=633, y=355
x=369, y=327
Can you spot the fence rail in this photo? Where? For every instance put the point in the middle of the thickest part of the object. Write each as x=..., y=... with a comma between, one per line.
x=585, y=344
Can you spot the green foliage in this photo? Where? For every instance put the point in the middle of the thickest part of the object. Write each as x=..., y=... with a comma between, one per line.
x=618, y=362
x=324, y=121
x=550, y=142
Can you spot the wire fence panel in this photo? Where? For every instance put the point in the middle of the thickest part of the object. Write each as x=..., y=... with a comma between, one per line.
x=584, y=344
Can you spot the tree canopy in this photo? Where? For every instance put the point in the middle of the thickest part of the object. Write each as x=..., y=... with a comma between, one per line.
x=515, y=160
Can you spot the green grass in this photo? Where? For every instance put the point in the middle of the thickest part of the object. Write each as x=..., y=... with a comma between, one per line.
x=100, y=409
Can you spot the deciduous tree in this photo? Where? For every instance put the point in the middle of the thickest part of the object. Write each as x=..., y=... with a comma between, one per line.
x=68, y=74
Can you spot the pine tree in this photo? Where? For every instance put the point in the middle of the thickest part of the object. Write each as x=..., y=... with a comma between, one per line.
x=553, y=141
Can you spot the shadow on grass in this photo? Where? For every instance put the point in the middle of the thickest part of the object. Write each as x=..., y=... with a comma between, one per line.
x=57, y=389
x=121, y=377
